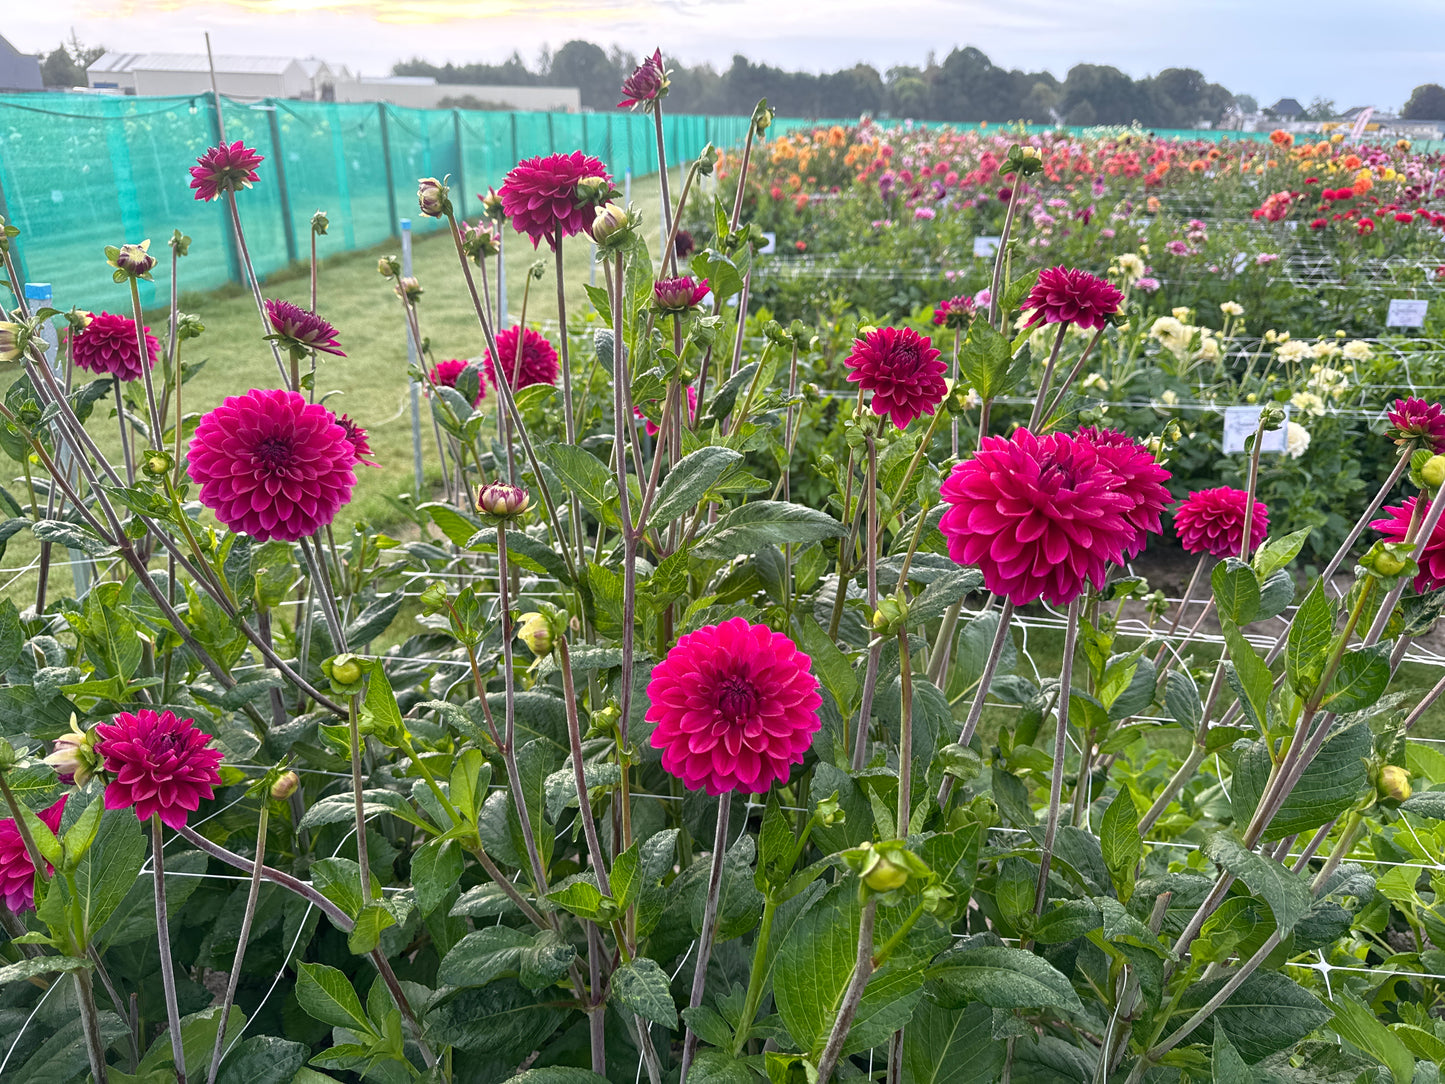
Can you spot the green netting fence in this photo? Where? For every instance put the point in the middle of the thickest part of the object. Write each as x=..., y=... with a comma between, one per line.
x=78, y=173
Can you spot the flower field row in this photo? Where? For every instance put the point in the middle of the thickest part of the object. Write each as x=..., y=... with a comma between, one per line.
x=772, y=688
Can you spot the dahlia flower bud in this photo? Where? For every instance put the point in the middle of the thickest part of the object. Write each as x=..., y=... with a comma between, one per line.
x=762, y=117
x=610, y=223
x=319, y=225
x=679, y=295
x=157, y=464
x=480, y=241
x=1394, y=783
x=502, y=500
x=131, y=261
x=647, y=85
x=180, y=243
x=431, y=197
x=11, y=338
x=536, y=632
x=1388, y=559
x=707, y=161
x=74, y=757
x=1433, y=472
x=884, y=876
x=345, y=672
x=286, y=786
x=409, y=288
x=388, y=267
x=886, y=866
x=603, y=723
x=492, y=205
x=891, y=615
x=7, y=233
x=594, y=190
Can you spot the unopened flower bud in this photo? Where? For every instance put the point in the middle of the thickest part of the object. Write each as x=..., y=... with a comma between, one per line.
x=492, y=205
x=762, y=118
x=74, y=757
x=286, y=786
x=593, y=190
x=134, y=260
x=891, y=614
x=608, y=221
x=320, y=223
x=536, y=632
x=1394, y=783
x=883, y=874
x=409, y=288
x=388, y=267
x=10, y=341
x=1434, y=471
x=503, y=500
x=344, y=669
x=157, y=463
x=431, y=197
x=479, y=241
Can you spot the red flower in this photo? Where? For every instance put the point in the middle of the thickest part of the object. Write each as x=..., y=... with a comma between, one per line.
x=226, y=168
x=17, y=872
x=681, y=294
x=1318, y=224
x=1066, y=295
x=444, y=375
x=902, y=370
x=1432, y=560
x=360, y=445
x=1039, y=516
x=1416, y=422
x=537, y=365
x=735, y=706
x=1367, y=225
x=1212, y=521
x=1143, y=481
x=272, y=465
x=301, y=329
x=955, y=312
x=108, y=346
x=543, y=196
x=1404, y=217
x=157, y=763
x=646, y=84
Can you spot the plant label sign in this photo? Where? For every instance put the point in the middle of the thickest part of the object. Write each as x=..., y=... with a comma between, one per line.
x=985, y=247
x=1406, y=312
x=1240, y=422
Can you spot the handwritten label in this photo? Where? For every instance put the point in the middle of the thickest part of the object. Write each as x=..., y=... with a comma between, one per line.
x=1240, y=422
x=1406, y=312
x=985, y=247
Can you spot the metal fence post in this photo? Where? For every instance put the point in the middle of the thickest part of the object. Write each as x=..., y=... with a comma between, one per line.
x=412, y=359
x=386, y=158
x=515, y=159
x=279, y=161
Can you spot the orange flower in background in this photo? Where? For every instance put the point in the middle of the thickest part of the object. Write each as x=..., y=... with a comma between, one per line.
x=836, y=136
x=1152, y=203
x=1402, y=144
x=1351, y=161
x=1363, y=183
x=1214, y=154
x=1323, y=148
x=1198, y=166
x=1280, y=138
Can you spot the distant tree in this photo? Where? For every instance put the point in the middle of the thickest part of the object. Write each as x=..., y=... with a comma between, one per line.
x=1039, y=104
x=587, y=67
x=1320, y=109
x=1112, y=97
x=1427, y=102
x=65, y=66
x=1247, y=103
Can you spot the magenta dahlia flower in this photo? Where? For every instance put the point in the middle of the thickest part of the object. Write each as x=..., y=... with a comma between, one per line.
x=360, y=443
x=17, y=872
x=543, y=195
x=537, y=365
x=272, y=465
x=1418, y=423
x=680, y=294
x=1066, y=295
x=157, y=763
x=108, y=346
x=1212, y=521
x=735, y=706
x=652, y=427
x=1040, y=517
x=444, y=374
x=1143, y=481
x=1432, y=560
x=647, y=84
x=902, y=370
x=226, y=168
x=301, y=329
x=955, y=313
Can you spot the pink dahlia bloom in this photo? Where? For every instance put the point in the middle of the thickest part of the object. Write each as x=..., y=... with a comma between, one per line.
x=735, y=706
x=955, y=312
x=272, y=465
x=1143, y=481
x=1212, y=521
x=652, y=428
x=17, y=872
x=538, y=363
x=1414, y=421
x=444, y=374
x=902, y=370
x=157, y=763
x=646, y=84
x=1432, y=560
x=227, y=168
x=108, y=346
x=680, y=294
x=302, y=329
x=1066, y=295
x=541, y=197
x=360, y=443
x=1040, y=517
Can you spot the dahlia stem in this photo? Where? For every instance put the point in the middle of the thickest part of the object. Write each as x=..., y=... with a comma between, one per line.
x=898, y=496
x=363, y=859
x=669, y=251
x=875, y=651
x=994, y=313
x=1046, y=378
x=1063, y=388
x=853, y=996
x=124, y=436
x=90, y=1026
x=313, y=277
x=252, y=896
x=709, y=930
x=1184, y=602
x=596, y=1012
x=905, y=734
x=570, y=423
x=957, y=376
x=1061, y=745
x=251, y=279
x=163, y=933
x=621, y=411
x=157, y=434
x=579, y=777
x=995, y=652
x=667, y=223
x=1244, y=546
x=509, y=739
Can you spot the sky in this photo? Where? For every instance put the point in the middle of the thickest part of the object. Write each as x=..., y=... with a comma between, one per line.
x=1268, y=48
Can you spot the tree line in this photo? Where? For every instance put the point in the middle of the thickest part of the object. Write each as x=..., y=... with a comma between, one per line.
x=964, y=86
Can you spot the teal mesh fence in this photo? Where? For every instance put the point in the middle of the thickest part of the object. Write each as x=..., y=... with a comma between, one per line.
x=78, y=173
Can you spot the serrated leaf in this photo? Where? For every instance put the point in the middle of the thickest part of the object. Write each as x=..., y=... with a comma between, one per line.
x=1236, y=590
x=1002, y=978
x=689, y=481
x=1288, y=894
x=641, y=986
x=325, y=994
x=1308, y=646
x=1121, y=843
x=748, y=528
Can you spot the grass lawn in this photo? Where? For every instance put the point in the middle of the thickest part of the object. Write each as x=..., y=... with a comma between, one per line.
x=371, y=379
